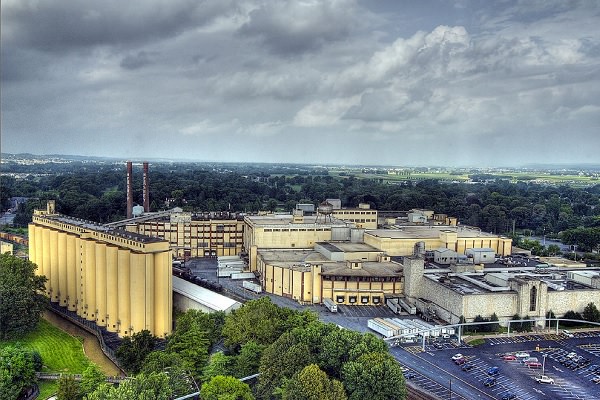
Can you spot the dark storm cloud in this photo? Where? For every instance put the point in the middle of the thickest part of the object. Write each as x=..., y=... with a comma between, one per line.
x=139, y=60
x=62, y=25
x=295, y=27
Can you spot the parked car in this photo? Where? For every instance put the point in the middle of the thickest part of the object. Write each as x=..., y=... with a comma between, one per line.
x=571, y=355
x=489, y=382
x=509, y=357
x=493, y=371
x=567, y=333
x=544, y=379
x=467, y=367
x=409, y=375
x=460, y=361
x=457, y=356
x=438, y=345
x=534, y=364
x=508, y=396
x=596, y=379
x=522, y=354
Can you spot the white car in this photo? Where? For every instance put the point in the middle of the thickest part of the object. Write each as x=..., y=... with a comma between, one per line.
x=544, y=379
x=567, y=333
x=522, y=354
x=457, y=357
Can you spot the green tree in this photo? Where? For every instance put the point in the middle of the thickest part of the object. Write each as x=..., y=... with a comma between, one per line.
x=225, y=388
x=375, y=376
x=134, y=349
x=68, y=388
x=180, y=381
x=284, y=358
x=550, y=314
x=312, y=383
x=591, y=313
x=218, y=364
x=91, y=378
x=17, y=371
x=21, y=298
x=494, y=327
x=153, y=386
x=192, y=346
x=258, y=320
x=248, y=360
x=571, y=315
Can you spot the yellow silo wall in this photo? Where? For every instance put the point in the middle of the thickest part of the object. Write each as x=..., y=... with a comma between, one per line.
x=89, y=268
x=149, y=292
x=163, y=301
x=137, y=291
x=80, y=275
x=100, y=284
x=31, y=235
x=62, y=269
x=112, y=288
x=38, y=249
x=54, y=266
x=124, y=305
x=72, y=272
x=46, y=258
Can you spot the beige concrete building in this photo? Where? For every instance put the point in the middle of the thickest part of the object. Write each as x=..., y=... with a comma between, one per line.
x=117, y=279
x=347, y=273
x=6, y=247
x=362, y=217
x=195, y=236
x=275, y=231
x=486, y=291
x=404, y=240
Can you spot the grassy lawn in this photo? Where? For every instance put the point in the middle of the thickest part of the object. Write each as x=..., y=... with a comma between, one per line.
x=60, y=351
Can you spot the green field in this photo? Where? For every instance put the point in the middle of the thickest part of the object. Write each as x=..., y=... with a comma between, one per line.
x=60, y=352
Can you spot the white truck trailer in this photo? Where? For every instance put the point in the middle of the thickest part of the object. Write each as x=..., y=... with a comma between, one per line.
x=330, y=304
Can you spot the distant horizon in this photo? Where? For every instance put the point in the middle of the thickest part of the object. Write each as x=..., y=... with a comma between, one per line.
x=583, y=166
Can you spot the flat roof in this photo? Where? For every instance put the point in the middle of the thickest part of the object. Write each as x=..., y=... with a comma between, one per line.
x=428, y=232
x=348, y=247
x=93, y=226
x=301, y=260
x=287, y=219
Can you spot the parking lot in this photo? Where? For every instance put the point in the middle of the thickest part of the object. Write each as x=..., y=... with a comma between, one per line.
x=576, y=380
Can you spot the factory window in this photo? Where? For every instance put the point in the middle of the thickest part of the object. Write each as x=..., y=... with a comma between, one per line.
x=532, y=298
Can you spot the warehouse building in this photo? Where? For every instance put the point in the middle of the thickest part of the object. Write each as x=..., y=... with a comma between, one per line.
x=118, y=279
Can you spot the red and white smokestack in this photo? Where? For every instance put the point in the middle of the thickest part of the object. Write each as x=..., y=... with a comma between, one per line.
x=146, y=189
x=129, y=190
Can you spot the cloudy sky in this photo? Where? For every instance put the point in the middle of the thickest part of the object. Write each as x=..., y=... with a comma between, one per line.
x=477, y=83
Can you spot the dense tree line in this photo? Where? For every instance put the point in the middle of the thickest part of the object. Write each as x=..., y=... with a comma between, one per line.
x=99, y=194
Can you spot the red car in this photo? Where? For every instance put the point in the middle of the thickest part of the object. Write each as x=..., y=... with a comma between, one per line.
x=509, y=357
x=460, y=361
x=534, y=364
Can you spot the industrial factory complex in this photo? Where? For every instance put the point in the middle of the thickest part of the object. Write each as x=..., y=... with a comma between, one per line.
x=119, y=275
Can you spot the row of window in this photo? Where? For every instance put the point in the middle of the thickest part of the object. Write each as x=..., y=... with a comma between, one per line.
x=298, y=230
x=362, y=278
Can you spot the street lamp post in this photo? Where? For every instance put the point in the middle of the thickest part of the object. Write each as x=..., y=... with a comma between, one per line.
x=544, y=363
